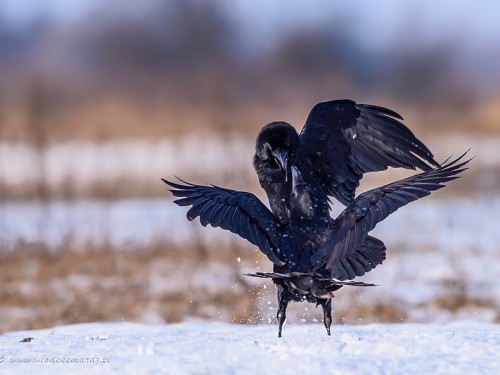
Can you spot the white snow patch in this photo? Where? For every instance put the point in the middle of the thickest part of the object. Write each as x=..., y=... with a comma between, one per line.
x=85, y=163
x=221, y=348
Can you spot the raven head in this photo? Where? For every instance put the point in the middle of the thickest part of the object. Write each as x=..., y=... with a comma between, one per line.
x=276, y=145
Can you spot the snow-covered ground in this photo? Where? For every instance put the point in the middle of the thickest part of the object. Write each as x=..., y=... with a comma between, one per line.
x=221, y=348
x=441, y=225
x=85, y=164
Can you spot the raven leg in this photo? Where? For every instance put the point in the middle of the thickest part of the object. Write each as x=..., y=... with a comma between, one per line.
x=326, y=304
x=282, y=305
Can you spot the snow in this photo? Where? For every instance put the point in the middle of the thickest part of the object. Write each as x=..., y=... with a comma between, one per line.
x=444, y=225
x=85, y=163
x=221, y=348
x=88, y=163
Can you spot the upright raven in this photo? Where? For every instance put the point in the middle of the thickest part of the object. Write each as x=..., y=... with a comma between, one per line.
x=313, y=255
x=341, y=140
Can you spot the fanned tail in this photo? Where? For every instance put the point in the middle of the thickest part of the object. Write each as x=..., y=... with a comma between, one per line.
x=315, y=276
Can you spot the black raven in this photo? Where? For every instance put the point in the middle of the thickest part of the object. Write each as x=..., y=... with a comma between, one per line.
x=340, y=141
x=313, y=255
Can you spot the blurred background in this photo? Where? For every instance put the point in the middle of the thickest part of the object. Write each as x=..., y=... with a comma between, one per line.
x=99, y=100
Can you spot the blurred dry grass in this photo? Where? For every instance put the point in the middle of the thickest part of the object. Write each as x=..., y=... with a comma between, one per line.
x=111, y=118
x=169, y=68
x=41, y=288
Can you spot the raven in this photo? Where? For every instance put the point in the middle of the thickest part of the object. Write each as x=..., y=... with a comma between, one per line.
x=312, y=254
x=340, y=141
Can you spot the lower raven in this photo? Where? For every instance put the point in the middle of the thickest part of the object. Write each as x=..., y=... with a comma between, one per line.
x=312, y=255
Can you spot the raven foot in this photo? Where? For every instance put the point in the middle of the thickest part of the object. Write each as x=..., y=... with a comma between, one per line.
x=326, y=304
x=282, y=305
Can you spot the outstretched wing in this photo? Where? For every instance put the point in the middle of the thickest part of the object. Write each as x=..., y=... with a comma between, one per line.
x=352, y=226
x=342, y=140
x=239, y=212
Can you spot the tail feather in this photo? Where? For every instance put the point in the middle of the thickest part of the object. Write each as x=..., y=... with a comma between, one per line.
x=313, y=275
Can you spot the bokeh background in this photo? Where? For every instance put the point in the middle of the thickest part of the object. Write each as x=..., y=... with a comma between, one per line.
x=99, y=100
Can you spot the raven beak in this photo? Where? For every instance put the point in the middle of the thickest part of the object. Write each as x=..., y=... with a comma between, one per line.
x=296, y=177
x=281, y=157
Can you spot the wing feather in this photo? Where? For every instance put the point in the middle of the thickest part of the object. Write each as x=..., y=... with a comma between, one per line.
x=341, y=140
x=239, y=212
x=351, y=228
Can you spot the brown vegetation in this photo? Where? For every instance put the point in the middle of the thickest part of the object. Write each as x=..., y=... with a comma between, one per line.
x=182, y=66
x=163, y=283
x=41, y=288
